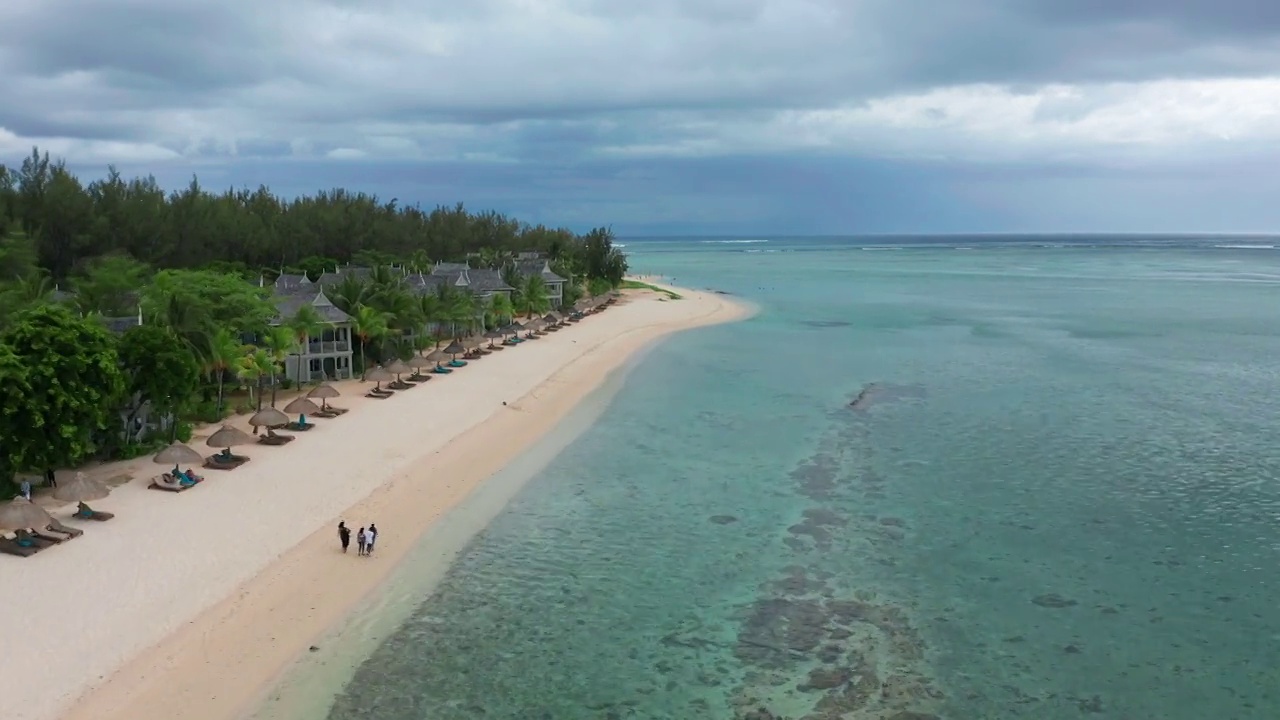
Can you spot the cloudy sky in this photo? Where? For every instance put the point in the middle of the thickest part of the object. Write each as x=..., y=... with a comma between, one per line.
x=678, y=116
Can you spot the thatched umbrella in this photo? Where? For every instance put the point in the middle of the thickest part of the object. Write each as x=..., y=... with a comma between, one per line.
x=513, y=329
x=454, y=349
x=268, y=418
x=178, y=453
x=83, y=488
x=493, y=335
x=534, y=325
x=21, y=513
x=302, y=406
x=551, y=319
x=378, y=375
x=228, y=437
x=397, y=368
x=418, y=362
x=323, y=392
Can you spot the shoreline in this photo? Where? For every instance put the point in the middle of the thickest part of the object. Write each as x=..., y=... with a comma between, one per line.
x=221, y=657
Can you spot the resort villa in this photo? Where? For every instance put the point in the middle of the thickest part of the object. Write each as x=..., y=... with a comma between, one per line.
x=326, y=356
x=329, y=355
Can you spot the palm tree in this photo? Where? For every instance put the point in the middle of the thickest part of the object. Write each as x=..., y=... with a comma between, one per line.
x=368, y=324
x=459, y=310
x=349, y=294
x=500, y=307
x=305, y=324
x=279, y=341
x=251, y=368
x=531, y=296
x=222, y=353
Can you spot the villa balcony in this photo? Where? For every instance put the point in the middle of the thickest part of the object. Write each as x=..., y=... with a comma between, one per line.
x=328, y=346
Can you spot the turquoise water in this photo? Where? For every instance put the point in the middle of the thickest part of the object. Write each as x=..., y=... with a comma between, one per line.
x=1058, y=500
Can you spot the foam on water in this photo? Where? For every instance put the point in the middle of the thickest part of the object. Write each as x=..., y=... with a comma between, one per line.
x=1060, y=502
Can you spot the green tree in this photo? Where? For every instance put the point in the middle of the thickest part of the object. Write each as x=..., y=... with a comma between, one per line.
x=254, y=367
x=368, y=324
x=601, y=259
x=531, y=296
x=501, y=309
x=73, y=372
x=214, y=298
x=109, y=285
x=597, y=287
x=221, y=354
x=279, y=341
x=17, y=415
x=158, y=369
x=306, y=325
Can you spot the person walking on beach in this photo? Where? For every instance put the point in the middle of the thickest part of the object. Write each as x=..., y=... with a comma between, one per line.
x=24, y=488
x=344, y=535
x=51, y=478
x=373, y=537
x=361, y=539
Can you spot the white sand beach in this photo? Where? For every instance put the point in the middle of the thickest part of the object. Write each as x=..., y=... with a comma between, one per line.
x=188, y=605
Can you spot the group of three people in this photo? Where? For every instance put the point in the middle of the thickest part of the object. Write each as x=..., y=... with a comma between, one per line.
x=365, y=538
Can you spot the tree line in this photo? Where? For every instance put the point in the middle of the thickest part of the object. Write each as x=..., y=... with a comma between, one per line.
x=77, y=258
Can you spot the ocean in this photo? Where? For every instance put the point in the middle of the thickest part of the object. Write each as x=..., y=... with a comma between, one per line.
x=962, y=478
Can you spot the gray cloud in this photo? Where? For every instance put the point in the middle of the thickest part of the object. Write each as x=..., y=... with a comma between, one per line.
x=529, y=97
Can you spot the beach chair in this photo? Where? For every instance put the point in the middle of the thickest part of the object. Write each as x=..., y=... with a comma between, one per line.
x=275, y=439
x=222, y=462
x=301, y=427
x=58, y=527
x=84, y=512
x=168, y=483
x=51, y=536
x=26, y=539
x=11, y=547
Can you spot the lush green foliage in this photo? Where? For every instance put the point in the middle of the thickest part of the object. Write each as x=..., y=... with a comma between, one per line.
x=77, y=258
x=242, y=230
x=74, y=384
x=158, y=368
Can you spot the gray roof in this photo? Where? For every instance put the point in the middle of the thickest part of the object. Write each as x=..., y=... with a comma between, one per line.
x=443, y=268
x=478, y=281
x=333, y=278
x=288, y=305
x=288, y=284
x=538, y=267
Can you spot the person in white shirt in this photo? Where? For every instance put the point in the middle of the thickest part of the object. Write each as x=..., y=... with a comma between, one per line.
x=373, y=537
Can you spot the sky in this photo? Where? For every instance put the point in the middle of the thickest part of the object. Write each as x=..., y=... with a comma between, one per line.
x=675, y=117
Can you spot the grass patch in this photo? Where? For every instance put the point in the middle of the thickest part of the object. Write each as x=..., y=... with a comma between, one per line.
x=637, y=285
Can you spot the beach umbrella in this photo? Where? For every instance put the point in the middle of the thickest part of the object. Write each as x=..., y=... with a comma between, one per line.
x=397, y=368
x=176, y=454
x=83, y=488
x=455, y=348
x=550, y=318
x=323, y=392
x=418, y=362
x=228, y=437
x=472, y=342
x=269, y=418
x=493, y=335
x=437, y=356
x=379, y=375
x=302, y=406
x=513, y=329
x=21, y=513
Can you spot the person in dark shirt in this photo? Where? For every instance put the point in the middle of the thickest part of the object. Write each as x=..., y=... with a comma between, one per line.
x=344, y=535
x=51, y=477
x=360, y=540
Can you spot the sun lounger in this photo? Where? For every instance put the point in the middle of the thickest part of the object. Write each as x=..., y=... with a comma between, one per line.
x=299, y=427
x=441, y=370
x=84, y=512
x=400, y=385
x=168, y=484
x=222, y=462
x=11, y=547
x=325, y=414
x=457, y=363
x=275, y=439
x=418, y=378
x=26, y=539
x=58, y=527
x=48, y=535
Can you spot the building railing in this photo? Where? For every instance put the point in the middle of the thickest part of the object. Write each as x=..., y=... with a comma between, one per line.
x=328, y=346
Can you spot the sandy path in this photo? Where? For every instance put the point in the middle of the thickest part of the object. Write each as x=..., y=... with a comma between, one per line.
x=188, y=606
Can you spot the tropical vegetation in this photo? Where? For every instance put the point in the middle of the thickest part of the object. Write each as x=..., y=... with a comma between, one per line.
x=119, y=300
